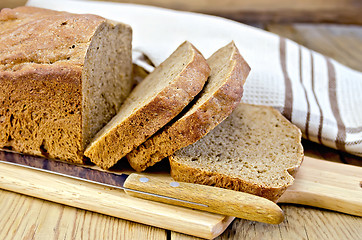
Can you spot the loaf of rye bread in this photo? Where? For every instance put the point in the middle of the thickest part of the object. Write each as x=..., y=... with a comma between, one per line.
x=63, y=76
x=154, y=102
x=254, y=150
x=221, y=94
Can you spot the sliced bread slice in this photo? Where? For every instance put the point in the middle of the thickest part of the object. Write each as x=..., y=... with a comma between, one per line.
x=153, y=103
x=221, y=94
x=255, y=150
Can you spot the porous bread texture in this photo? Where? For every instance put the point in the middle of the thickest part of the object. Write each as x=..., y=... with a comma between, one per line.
x=221, y=94
x=255, y=150
x=63, y=76
x=153, y=103
x=108, y=76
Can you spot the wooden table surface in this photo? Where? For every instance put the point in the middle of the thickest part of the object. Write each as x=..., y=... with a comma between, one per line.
x=23, y=217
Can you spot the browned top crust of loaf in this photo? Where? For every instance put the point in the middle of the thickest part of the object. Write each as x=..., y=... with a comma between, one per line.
x=34, y=37
x=196, y=123
x=41, y=59
x=118, y=138
x=233, y=156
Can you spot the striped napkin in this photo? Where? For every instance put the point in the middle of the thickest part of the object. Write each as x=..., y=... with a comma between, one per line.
x=319, y=95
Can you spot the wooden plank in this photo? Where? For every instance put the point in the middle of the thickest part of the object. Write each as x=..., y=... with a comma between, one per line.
x=109, y=201
x=23, y=217
x=343, y=43
x=341, y=11
x=208, y=198
x=12, y=3
x=300, y=223
x=180, y=236
x=337, y=11
x=327, y=185
x=213, y=199
x=318, y=183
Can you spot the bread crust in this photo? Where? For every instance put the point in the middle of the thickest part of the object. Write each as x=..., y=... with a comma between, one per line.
x=109, y=147
x=41, y=91
x=180, y=171
x=183, y=173
x=41, y=115
x=190, y=128
x=33, y=36
x=42, y=56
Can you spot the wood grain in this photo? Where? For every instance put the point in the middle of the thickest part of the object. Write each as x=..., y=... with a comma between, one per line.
x=300, y=223
x=179, y=236
x=216, y=200
x=12, y=3
x=207, y=198
x=341, y=42
x=335, y=11
x=321, y=184
x=23, y=217
x=338, y=11
x=110, y=201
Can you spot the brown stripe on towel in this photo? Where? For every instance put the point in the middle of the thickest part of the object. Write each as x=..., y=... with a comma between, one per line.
x=288, y=100
x=347, y=143
x=320, y=127
x=305, y=94
x=341, y=134
x=354, y=129
x=353, y=142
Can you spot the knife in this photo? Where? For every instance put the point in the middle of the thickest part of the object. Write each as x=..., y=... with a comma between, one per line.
x=195, y=196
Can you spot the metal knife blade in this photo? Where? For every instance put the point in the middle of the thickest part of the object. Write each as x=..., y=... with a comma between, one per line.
x=195, y=196
x=75, y=171
x=64, y=169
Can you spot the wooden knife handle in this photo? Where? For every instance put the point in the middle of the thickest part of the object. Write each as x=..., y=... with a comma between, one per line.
x=206, y=198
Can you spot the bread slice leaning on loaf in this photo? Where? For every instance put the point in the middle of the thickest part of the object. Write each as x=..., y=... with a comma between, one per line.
x=221, y=94
x=153, y=103
x=63, y=76
x=255, y=150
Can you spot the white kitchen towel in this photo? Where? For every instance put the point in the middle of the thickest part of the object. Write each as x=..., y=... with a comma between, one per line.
x=319, y=95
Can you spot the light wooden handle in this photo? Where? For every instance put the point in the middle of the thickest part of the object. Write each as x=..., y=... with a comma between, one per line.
x=206, y=198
